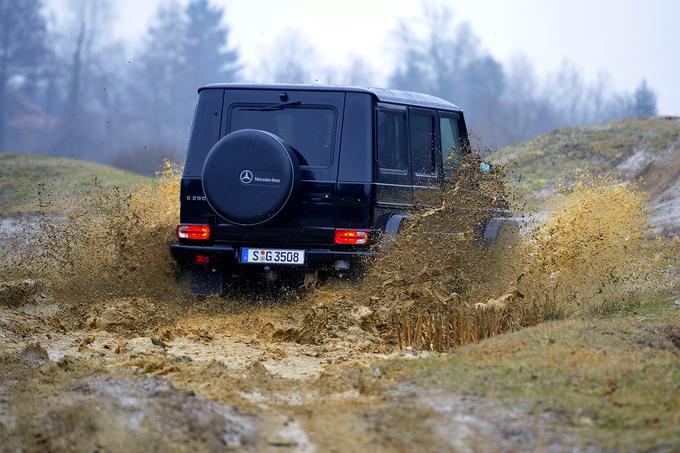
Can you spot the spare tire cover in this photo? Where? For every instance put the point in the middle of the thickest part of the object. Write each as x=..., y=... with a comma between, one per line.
x=250, y=177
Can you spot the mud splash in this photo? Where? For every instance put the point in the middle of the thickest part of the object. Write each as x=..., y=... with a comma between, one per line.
x=108, y=251
x=440, y=286
x=437, y=287
x=589, y=251
x=591, y=247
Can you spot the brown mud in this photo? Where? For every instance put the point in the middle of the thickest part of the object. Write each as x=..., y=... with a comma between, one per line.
x=101, y=350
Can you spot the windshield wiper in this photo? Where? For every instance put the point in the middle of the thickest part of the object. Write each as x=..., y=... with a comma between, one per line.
x=279, y=106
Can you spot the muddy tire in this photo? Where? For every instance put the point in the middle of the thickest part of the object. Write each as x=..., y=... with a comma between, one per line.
x=500, y=232
x=508, y=235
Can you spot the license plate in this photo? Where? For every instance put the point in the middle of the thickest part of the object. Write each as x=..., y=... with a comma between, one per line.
x=272, y=256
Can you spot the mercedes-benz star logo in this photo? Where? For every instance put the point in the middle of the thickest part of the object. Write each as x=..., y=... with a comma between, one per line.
x=246, y=176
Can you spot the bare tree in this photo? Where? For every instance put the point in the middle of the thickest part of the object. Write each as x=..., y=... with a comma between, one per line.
x=644, y=101
x=524, y=111
x=84, y=41
x=441, y=57
x=23, y=44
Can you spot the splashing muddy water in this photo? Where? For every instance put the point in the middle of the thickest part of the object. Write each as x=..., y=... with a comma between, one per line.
x=438, y=286
x=117, y=235
x=589, y=250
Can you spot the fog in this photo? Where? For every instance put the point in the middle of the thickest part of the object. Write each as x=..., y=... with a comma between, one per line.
x=116, y=82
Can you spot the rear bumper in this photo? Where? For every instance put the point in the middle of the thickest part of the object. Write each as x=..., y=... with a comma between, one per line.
x=225, y=256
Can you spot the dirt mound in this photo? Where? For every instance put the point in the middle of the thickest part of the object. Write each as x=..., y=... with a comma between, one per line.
x=87, y=413
x=25, y=179
x=642, y=150
x=34, y=355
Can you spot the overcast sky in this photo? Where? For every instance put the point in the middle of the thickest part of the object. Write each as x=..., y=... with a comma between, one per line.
x=628, y=39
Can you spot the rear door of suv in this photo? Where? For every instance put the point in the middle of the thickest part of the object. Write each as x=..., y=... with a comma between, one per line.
x=393, y=175
x=425, y=158
x=312, y=222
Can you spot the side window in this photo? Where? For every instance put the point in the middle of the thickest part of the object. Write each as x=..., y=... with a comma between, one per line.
x=450, y=139
x=392, y=140
x=422, y=143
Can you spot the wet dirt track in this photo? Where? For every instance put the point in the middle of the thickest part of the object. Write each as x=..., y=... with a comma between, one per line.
x=219, y=382
x=100, y=350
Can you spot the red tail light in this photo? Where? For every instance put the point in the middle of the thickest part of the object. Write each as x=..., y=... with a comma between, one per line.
x=352, y=237
x=202, y=259
x=199, y=232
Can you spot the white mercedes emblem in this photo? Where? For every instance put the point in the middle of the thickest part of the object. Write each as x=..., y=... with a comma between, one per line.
x=246, y=176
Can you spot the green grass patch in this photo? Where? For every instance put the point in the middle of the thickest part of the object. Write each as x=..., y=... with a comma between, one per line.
x=540, y=161
x=640, y=306
x=33, y=183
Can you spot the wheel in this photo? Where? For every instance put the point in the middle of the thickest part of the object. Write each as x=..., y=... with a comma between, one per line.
x=201, y=282
x=500, y=232
x=508, y=234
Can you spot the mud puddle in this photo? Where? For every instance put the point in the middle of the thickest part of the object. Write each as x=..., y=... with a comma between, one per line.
x=187, y=385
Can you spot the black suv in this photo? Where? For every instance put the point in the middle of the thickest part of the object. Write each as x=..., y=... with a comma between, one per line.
x=305, y=177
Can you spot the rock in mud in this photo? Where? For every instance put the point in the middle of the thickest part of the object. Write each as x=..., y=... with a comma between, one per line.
x=109, y=318
x=288, y=435
x=34, y=355
x=361, y=312
x=16, y=293
x=158, y=342
x=103, y=413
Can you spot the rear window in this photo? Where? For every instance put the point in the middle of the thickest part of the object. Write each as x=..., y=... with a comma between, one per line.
x=309, y=130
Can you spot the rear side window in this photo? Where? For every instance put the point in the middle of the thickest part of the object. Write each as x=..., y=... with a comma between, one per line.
x=422, y=143
x=450, y=136
x=309, y=130
x=392, y=141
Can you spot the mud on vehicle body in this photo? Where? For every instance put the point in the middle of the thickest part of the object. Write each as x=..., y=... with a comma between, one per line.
x=306, y=177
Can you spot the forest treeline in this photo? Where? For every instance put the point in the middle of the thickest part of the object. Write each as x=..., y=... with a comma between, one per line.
x=67, y=88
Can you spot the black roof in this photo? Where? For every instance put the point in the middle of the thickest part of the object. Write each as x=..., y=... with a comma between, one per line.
x=382, y=94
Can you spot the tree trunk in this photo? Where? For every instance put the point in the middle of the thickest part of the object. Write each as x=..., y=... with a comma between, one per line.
x=74, y=92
